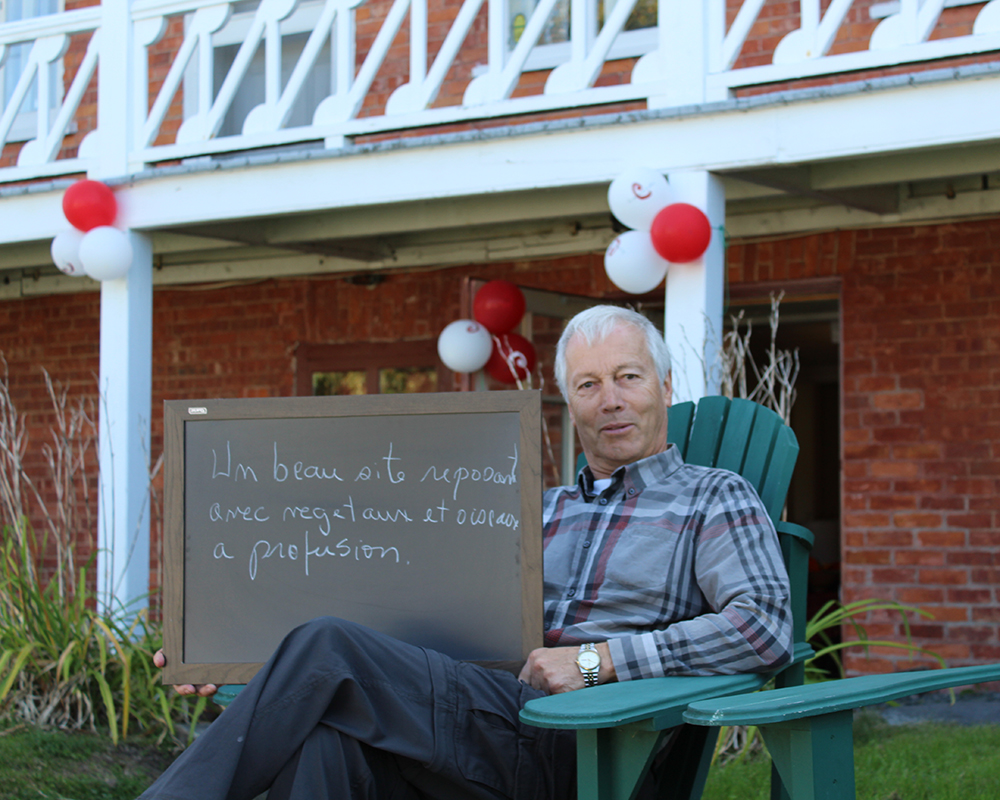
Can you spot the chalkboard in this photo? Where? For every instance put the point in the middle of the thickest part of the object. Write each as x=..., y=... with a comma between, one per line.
x=417, y=515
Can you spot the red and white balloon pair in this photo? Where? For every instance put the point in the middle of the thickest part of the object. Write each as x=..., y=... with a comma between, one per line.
x=92, y=246
x=663, y=231
x=487, y=341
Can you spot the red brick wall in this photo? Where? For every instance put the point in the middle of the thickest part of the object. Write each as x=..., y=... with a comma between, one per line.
x=59, y=334
x=920, y=410
x=920, y=424
x=239, y=341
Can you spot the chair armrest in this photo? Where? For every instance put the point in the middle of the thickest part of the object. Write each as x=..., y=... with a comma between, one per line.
x=816, y=699
x=803, y=534
x=660, y=700
x=226, y=694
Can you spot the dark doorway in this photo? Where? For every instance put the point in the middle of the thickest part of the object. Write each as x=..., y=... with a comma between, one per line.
x=809, y=322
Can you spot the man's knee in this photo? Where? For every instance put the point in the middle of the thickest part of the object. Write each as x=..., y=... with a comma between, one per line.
x=330, y=634
x=341, y=639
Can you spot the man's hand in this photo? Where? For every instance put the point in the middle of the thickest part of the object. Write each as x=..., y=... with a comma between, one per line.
x=187, y=689
x=554, y=669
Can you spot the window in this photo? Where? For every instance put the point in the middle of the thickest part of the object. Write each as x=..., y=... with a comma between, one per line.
x=25, y=126
x=639, y=35
x=226, y=42
x=390, y=368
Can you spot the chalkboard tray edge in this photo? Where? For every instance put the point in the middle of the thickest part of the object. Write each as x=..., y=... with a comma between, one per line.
x=352, y=405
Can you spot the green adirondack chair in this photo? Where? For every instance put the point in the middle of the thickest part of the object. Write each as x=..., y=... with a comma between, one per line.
x=620, y=726
x=807, y=729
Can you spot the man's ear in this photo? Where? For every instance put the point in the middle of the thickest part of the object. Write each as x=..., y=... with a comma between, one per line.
x=668, y=389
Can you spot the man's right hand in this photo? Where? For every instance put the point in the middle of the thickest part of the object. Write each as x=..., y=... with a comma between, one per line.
x=187, y=689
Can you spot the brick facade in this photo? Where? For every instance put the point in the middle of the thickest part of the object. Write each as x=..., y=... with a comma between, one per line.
x=920, y=411
x=240, y=341
x=920, y=425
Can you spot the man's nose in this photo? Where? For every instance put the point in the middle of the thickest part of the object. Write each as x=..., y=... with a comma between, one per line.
x=611, y=397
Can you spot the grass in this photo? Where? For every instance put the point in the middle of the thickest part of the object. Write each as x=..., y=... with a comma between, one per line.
x=918, y=762
x=928, y=761
x=59, y=765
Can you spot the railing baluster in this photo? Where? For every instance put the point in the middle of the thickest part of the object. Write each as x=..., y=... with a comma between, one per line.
x=588, y=56
x=418, y=41
x=272, y=61
x=737, y=36
x=693, y=64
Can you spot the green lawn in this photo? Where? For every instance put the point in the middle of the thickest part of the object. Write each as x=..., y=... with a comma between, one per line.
x=923, y=762
x=55, y=765
x=912, y=762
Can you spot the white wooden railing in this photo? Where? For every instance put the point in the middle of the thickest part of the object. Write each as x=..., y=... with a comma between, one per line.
x=691, y=57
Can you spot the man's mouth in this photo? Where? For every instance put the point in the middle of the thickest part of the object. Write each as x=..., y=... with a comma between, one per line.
x=616, y=427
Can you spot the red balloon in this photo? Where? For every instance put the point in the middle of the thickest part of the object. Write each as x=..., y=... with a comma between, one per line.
x=681, y=233
x=498, y=306
x=89, y=204
x=513, y=349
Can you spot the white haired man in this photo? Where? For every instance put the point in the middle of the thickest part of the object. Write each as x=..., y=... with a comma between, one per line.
x=651, y=567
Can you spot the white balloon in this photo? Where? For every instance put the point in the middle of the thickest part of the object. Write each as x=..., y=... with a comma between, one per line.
x=66, y=252
x=106, y=253
x=465, y=346
x=637, y=195
x=632, y=263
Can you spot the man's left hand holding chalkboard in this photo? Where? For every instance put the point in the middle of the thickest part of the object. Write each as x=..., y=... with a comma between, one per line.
x=201, y=689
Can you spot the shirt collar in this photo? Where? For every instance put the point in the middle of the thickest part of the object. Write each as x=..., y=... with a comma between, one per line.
x=636, y=476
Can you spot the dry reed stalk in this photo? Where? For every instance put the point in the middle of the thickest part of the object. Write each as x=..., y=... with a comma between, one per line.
x=773, y=382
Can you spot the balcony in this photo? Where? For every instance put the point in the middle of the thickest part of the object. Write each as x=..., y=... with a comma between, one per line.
x=118, y=88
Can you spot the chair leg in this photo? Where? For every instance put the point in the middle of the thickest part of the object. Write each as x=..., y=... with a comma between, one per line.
x=613, y=762
x=778, y=790
x=683, y=773
x=814, y=756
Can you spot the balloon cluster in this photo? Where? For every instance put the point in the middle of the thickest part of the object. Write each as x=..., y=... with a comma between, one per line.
x=92, y=247
x=662, y=232
x=486, y=342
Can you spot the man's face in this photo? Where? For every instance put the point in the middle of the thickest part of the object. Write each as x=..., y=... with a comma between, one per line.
x=616, y=401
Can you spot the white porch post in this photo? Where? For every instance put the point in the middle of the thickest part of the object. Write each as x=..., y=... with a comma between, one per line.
x=126, y=392
x=126, y=345
x=693, y=313
x=678, y=67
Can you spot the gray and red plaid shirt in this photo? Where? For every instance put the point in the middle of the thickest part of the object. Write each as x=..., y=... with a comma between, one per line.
x=678, y=566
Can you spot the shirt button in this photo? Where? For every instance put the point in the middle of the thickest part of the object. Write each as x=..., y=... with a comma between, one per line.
x=604, y=501
x=571, y=593
x=586, y=545
x=631, y=491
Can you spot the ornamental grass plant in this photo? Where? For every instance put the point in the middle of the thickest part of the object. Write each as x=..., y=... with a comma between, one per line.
x=65, y=661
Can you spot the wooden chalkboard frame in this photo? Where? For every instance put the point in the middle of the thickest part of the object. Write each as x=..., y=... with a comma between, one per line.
x=178, y=413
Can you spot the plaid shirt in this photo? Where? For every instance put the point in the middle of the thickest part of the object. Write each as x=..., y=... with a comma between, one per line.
x=677, y=566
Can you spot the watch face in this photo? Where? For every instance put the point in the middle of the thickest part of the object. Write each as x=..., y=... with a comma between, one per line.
x=588, y=659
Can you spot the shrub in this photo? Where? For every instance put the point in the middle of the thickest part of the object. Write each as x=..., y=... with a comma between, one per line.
x=64, y=662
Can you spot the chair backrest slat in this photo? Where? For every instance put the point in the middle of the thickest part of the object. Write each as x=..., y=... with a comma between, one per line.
x=774, y=488
x=706, y=432
x=759, y=448
x=736, y=436
x=679, y=419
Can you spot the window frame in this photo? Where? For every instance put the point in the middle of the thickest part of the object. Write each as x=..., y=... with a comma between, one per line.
x=628, y=44
x=369, y=357
x=25, y=125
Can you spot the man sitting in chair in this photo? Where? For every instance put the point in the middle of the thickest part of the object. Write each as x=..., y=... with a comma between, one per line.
x=652, y=567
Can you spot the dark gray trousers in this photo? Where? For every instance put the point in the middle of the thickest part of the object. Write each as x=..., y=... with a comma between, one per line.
x=341, y=711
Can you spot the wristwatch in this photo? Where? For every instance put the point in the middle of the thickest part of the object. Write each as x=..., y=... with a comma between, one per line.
x=589, y=662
